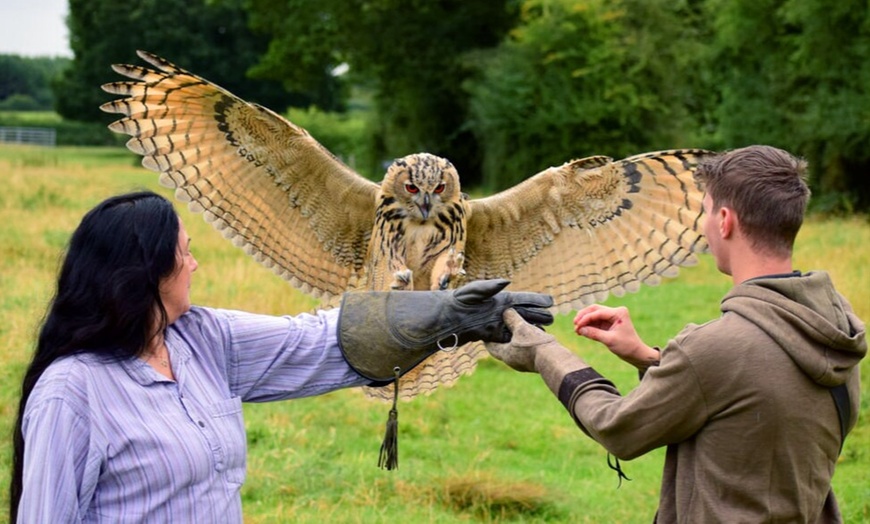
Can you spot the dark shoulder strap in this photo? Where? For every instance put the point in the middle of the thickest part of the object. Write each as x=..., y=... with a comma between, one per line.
x=844, y=410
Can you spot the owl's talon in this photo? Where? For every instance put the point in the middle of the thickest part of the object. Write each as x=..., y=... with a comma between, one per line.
x=452, y=267
x=402, y=280
x=455, y=262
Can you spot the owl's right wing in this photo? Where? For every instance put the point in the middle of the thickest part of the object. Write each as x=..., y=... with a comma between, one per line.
x=262, y=181
x=591, y=227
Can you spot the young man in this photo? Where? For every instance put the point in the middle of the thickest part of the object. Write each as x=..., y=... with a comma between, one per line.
x=743, y=403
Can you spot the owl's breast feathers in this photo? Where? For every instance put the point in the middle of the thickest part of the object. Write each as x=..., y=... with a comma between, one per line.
x=402, y=241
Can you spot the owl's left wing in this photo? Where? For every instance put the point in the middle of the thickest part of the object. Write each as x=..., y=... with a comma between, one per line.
x=264, y=182
x=591, y=227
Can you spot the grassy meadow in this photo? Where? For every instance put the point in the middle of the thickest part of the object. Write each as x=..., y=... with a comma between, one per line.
x=496, y=447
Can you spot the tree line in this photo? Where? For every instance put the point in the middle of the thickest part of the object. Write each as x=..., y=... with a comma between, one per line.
x=507, y=88
x=25, y=83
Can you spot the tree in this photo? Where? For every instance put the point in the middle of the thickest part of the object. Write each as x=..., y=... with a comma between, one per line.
x=830, y=101
x=410, y=54
x=794, y=74
x=584, y=78
x=24, y=81
x=207, y=38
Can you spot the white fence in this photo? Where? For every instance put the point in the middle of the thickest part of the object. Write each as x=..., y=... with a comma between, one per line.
x=40, y=136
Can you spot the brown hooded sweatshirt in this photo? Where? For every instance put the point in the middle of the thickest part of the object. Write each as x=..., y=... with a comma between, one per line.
x=742, y=403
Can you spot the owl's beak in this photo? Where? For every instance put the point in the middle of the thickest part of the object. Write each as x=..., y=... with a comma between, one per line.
x=425, y=206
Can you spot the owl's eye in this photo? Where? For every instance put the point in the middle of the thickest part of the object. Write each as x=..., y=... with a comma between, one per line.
x=439, y=188
x=411, y=188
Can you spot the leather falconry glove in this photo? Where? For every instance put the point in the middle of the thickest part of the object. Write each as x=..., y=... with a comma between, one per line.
x=379, y=331
x=533, y=350
x=521, y=351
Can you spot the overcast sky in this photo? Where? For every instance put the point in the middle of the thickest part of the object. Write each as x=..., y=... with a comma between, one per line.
x=34, y=28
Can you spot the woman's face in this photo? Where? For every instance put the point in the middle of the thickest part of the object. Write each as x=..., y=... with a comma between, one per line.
x=175, y=289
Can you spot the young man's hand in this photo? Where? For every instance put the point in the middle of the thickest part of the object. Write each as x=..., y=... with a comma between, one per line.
x=613, y=328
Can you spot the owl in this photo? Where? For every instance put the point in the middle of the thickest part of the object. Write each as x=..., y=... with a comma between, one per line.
x=420, y=223
x=579, y=231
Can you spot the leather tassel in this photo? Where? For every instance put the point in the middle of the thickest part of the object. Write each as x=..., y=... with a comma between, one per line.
x=389, y=456
x=618, y=469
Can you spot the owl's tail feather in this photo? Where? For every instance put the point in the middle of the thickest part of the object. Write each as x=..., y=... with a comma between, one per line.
x=442, y=369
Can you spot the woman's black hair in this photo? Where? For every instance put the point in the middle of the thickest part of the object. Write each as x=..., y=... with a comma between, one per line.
x=107, y=299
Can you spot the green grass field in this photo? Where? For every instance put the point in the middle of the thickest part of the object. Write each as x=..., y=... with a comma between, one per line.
x=496, y=447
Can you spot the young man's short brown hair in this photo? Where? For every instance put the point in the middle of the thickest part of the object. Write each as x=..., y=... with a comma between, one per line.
x=766, y=188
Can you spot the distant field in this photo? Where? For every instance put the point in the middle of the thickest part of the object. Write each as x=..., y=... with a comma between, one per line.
x=495, y=448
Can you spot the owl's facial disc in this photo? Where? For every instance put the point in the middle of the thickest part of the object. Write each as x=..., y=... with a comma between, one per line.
x=424, y=199
x=424, y=182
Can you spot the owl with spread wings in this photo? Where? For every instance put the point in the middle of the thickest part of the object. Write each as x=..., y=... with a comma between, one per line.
x=578, y=231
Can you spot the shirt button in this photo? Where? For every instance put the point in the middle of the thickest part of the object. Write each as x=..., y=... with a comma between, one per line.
x=201, y=424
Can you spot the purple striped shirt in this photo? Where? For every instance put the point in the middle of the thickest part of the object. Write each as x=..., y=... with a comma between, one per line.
x=118, y=442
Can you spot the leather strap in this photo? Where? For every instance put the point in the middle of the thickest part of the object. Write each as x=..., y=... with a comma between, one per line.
x=844, y=410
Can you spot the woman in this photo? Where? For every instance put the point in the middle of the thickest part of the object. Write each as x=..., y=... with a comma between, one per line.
x=131, y=409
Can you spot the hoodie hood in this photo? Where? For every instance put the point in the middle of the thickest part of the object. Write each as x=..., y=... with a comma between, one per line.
x=812, y=323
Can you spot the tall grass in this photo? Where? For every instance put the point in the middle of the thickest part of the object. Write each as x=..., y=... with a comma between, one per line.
x=496, y=447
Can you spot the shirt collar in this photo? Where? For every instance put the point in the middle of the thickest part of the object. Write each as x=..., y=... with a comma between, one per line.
x=141, y=372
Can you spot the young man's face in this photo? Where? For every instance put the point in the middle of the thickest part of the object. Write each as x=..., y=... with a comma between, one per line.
x=713, y=233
